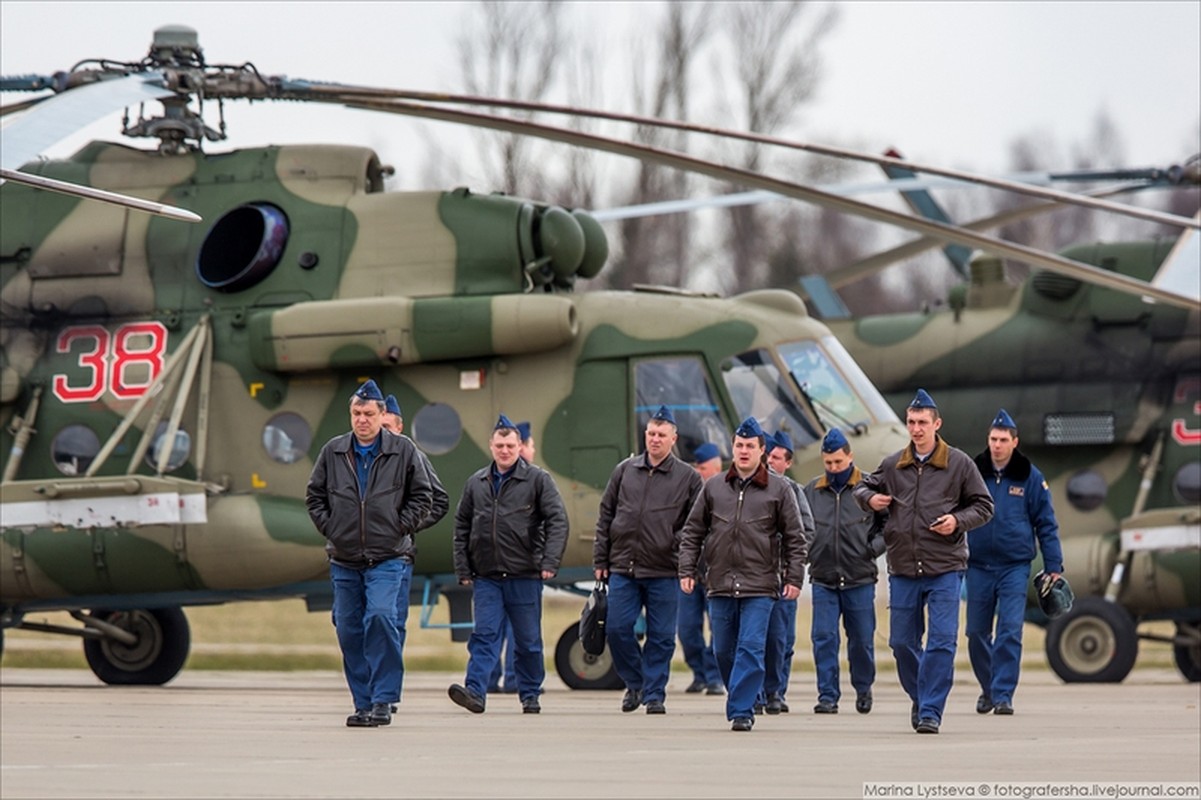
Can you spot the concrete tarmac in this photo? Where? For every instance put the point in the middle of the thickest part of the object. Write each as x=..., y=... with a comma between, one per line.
x=260, y=734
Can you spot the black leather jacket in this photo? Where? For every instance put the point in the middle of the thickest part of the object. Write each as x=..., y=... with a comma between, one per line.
x=641, y=515
x=845, y=544
x=518, y=533
x=379, y=526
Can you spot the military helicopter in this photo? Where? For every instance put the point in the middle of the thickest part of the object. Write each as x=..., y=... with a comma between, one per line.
x=1106, y=392
x=163, y=388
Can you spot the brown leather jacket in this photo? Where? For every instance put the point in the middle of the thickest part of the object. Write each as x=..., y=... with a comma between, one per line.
x=948, y=483
x=747, y=531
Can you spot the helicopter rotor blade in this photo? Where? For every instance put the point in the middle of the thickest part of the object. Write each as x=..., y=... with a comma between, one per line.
x=75, y=190
x=689, y=163
x=59, y=116
x=351, y=94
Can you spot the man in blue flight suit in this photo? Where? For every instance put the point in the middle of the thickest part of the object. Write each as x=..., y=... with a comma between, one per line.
x=748, y=524
x=998, y=567
x=368, y=494
x=934, y=495
x=842, y=577
x=690, y=623
x=638, y=528
x=781, y=630
x=510, y=532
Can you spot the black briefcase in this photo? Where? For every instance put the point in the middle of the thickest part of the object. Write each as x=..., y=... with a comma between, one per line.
x=592, y=619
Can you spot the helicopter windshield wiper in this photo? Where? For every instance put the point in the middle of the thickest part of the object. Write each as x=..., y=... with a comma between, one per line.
x=857, y=428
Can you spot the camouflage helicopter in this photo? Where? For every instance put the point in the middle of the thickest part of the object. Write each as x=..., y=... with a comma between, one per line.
x=163, y=388
x=1106, y=391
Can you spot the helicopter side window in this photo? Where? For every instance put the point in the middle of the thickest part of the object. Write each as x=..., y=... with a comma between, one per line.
x=760, y=391
x=1187, y=483
x=682, y=385
x=437, y=428
x=74, y=448
x=286, y=437
x=181, y=448
x=1087, y=490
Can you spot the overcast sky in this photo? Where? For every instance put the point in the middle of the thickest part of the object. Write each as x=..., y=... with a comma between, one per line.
x=949, y=82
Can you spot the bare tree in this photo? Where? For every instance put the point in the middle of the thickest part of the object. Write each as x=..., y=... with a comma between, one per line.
x=511, y=50
x=776, y=69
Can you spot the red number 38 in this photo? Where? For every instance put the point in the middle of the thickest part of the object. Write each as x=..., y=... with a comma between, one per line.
x=124, y=362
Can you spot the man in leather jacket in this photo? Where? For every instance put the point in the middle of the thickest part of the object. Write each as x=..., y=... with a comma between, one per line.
x=749, y=526
x=842, y=577
x=510, y=532
x=934, y=495
x=367, y=495
x=638, y=527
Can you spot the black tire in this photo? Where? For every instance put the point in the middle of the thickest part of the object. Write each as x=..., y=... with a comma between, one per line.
x=581, y=670
x=1095, y=642
x=158, y=655
x=1188, y=656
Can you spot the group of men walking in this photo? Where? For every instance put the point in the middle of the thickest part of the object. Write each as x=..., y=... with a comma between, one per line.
x=668, y=533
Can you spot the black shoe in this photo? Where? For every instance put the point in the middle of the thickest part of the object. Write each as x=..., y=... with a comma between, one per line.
x=696, y=687
x=984, y=704
x=863, y=703
x=530, y=705
x=927, y=726
x=715, y=690
x=759, y=709
x=631, y=700
x=655, y=707
x=1004, y=708
x=742, y=724
x=466, y=698
x=774, y=704
x=381, y=714
x=913, y=720
x=825, y=707
x=361, y=718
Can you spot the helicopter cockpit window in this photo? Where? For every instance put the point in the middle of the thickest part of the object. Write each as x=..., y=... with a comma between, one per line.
x=437, y=428
x=760, y=391
x=74, y=448
x=286, y=437
x=682, y=385
x=180, y=450
x=839, y=391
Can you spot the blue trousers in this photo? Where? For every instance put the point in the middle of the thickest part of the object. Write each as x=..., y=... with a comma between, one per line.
x=519, y=600
x=927, y=673
x=781, y=644
x=644, y=668
x=690, y=627
x=857, y=607
x=365, y=621
x=996, y=659
x=739, y=641
x=504, y=665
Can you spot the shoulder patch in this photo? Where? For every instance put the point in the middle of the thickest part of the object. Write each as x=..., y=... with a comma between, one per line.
x=1018, y=491
x=1046, y=488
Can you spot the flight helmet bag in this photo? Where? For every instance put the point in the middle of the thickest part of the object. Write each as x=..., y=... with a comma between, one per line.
x=1054, y=596
x=592, y=620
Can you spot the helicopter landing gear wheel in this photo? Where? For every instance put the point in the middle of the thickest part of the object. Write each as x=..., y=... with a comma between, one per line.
x=581, y=670
x=1095, y=642
x=156, y=657
x=1188, y=656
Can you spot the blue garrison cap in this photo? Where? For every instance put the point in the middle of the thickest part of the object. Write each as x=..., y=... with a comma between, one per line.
x=392, y=406
x=781, y=439
x=922, y=400
x=706, y=452
x=503, y=423
x=664, y=415
x=369, y=391
x=834, y=441
x=1003, y=420
x=523, y=430
x=749, y=429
